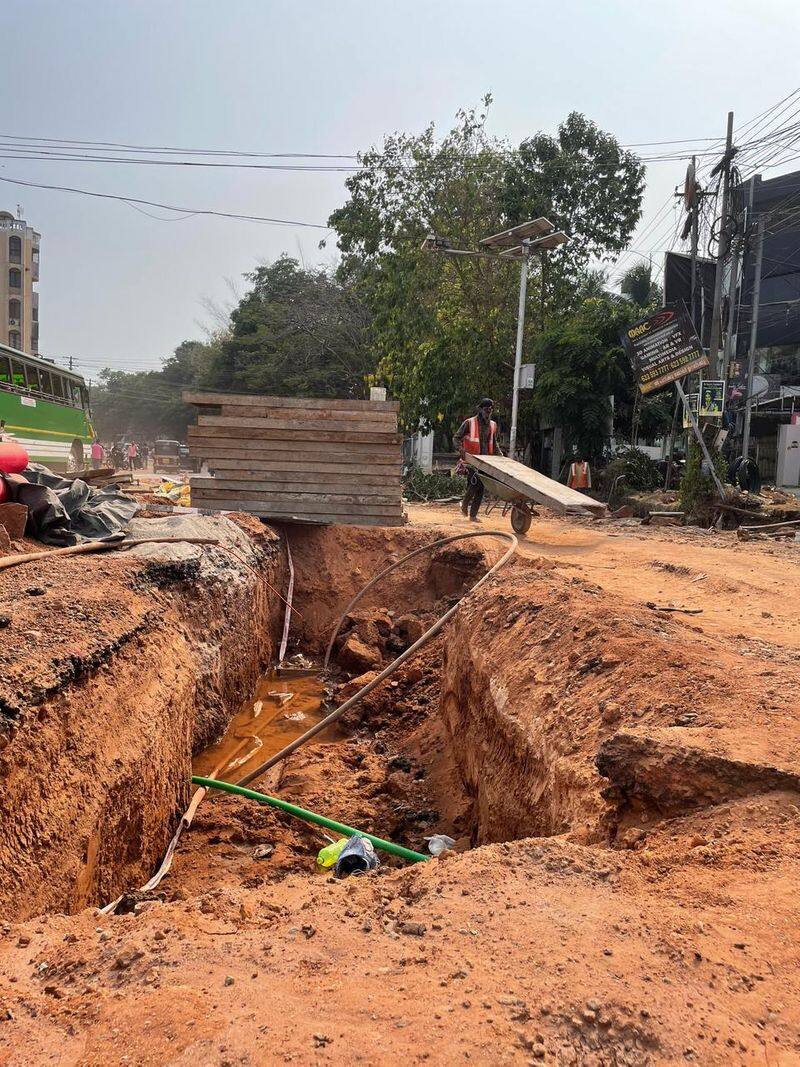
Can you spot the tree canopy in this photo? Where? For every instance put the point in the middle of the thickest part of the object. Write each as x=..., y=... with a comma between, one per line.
x=443, y=327
x=637, y=285
x=297, y=332
x=439, y=330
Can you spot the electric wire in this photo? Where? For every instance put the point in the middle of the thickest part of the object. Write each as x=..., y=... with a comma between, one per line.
x=167, y=207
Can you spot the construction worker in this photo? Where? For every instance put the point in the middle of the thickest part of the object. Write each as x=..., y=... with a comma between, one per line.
x=478, y=437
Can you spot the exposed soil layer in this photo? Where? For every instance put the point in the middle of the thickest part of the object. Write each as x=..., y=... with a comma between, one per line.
x=631, y=776
x=112, y=670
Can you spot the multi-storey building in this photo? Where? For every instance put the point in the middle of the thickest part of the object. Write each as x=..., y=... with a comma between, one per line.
x=19, y=271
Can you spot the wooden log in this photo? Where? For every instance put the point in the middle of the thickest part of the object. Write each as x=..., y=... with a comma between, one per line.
x=199, y=397
x=767, y=530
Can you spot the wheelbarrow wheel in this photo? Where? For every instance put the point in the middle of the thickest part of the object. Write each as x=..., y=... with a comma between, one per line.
x=520, y=521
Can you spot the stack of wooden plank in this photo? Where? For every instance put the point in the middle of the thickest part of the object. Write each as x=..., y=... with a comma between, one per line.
x=297, y=459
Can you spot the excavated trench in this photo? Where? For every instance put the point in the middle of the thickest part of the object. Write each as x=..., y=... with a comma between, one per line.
x=543, y=709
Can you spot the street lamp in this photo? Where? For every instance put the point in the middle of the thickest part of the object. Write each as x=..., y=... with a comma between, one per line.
x=536, y=235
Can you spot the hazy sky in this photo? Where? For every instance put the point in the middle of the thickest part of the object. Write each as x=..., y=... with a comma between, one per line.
x=120, y=288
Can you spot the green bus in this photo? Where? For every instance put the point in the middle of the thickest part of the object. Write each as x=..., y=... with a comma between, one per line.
x=46, y=409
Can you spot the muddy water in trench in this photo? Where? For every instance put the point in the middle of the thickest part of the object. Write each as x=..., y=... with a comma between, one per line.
x=286, y=702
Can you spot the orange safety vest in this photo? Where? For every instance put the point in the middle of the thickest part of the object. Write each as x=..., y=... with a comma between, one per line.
x=580, y=475
x=472, y=442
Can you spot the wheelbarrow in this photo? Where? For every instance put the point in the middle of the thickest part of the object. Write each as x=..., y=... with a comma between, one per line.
x=510, y=500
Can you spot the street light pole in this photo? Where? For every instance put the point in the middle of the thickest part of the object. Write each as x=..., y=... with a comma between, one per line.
x=518, y=242
x=523, y=292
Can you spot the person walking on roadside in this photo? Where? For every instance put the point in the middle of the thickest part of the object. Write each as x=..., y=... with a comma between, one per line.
x=98, y=454
x=477, y=436
x=133, y=455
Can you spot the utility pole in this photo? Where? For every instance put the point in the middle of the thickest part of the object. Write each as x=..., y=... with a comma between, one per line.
x=694, y=208
x=516, y=243
x=70, y=362
x=722, y=251
x=751, y=359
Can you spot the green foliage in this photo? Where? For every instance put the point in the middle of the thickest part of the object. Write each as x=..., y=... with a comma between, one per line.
x=297, y=332
x=584, y=183
x=438, y=485
x=655, y=414
x=638, y=286
x=147, y=404
x=697, y=490
x=639, y=471
x=579, y=366
x=443, y=327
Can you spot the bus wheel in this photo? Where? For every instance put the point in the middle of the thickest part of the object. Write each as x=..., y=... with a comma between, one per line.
x=75, y=461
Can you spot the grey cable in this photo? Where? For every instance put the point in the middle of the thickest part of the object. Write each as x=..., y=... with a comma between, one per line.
x=409, y=652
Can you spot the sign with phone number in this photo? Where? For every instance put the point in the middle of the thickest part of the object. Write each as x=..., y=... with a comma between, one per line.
x=663, y=347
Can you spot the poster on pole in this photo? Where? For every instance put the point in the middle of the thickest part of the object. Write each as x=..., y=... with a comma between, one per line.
x=663, y=347
x=711, y=402
x=690, y=405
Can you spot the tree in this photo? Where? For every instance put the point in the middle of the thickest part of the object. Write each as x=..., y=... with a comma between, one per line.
x=638, y=286
x=586, y=184
x=580, y=365
x=443, y=327
x=147, y=404
x=297, y=332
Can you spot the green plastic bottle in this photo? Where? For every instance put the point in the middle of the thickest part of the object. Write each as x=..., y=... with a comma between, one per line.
x=327, y=856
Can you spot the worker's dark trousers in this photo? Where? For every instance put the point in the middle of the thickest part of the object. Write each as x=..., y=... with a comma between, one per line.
x=474, y=494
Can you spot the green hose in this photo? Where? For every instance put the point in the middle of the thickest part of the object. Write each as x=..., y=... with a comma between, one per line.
x=310, y=816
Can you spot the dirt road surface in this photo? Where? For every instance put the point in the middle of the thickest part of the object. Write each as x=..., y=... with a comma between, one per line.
x=623, y=784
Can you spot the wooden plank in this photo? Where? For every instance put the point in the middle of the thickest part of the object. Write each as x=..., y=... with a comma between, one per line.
x=200, y=397
x=266, y=507
x=314, y=520
x=345, y=430
x=354, y=494
x=313, y=462
x=276, y=449
x=233, y=469
x=202, y=446
x=271, y=451
x=292, y=436
x=358, y=418
x=535, y=486
x=300, y=461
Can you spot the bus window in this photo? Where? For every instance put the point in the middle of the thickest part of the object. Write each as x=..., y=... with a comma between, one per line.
x=5, y=371
x=84, y=398
x=58, y=388
x=47, y=385
x=75, y=394
x=33, y=377
x=17, y=374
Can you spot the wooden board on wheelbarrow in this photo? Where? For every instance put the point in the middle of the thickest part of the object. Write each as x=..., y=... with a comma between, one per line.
x=535, y=486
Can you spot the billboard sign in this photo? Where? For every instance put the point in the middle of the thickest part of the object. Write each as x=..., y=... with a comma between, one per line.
x=663, y=347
